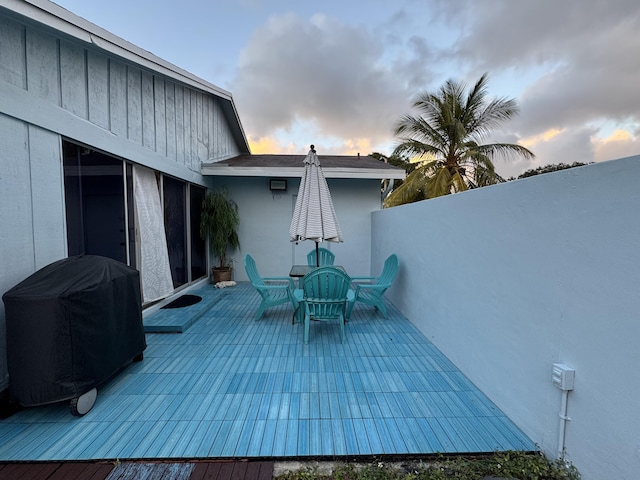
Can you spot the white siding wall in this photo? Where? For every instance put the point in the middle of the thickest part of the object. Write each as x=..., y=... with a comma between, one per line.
x=507, y=280
x=52, y=87
x=265, y=219
x=32, y=218
x=172, y=120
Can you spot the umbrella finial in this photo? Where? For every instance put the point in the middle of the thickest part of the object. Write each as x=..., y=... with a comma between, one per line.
x=313, y=148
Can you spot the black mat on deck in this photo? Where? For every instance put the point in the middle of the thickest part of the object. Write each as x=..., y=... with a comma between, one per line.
x=183, y=301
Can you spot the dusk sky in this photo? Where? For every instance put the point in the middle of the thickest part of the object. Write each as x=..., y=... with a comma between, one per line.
x=340, y=73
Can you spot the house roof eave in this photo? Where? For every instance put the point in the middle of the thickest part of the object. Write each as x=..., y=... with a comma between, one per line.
x=213, y=169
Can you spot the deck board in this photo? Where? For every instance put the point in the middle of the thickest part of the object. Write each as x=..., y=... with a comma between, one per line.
x=197, y=470
x=229, y=386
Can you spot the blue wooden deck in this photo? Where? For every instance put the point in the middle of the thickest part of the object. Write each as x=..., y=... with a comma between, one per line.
x=230, y=386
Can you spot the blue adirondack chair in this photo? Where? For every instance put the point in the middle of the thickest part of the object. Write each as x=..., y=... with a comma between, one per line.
x=370, y=290
x=325, y=292
x=273, y=290
x=326, y=257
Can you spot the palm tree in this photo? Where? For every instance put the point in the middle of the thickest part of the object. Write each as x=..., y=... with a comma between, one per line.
x=447, y=136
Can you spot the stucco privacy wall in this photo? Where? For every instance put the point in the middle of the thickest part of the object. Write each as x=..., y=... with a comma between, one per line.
x=509, y=279
x=265, y=218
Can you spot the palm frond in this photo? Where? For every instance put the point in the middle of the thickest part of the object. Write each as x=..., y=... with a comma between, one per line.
x=439, y=183
x=458, y=183
x=417, y=149
x=411, y=190
x=447, y=133
x=505, y=150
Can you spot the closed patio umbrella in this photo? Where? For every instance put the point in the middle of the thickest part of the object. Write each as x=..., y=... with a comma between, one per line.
x=314, y=217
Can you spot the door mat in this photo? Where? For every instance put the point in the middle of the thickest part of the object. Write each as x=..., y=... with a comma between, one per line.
x=184, y=301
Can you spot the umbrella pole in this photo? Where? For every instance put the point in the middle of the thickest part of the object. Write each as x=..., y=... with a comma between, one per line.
x=317, y=257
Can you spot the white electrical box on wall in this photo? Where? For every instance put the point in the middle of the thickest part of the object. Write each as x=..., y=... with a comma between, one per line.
x=563, y=376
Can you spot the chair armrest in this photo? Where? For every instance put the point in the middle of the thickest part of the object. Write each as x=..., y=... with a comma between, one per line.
x=273, y=286
x=363, y=280
x=288, y=280
x=371, y=287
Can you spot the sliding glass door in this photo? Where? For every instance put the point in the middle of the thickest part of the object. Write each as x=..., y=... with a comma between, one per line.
x=97, y=221
x=101, y=213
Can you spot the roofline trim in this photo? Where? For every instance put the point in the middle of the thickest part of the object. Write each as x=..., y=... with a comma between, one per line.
x=293, y=172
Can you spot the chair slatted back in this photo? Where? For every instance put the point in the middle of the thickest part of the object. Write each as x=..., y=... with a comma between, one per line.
x=389, y=271
x=325, y=257
x=325, y=292
x=252, y=271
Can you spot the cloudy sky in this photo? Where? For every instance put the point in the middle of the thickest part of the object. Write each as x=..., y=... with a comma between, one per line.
x=340, y=73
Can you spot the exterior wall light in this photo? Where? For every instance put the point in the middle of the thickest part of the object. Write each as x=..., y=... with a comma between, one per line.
x=277, y=185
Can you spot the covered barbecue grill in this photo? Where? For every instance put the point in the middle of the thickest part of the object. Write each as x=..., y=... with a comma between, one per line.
x=70, y=327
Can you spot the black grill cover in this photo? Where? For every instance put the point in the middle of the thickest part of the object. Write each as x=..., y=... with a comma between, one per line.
x=71, y=326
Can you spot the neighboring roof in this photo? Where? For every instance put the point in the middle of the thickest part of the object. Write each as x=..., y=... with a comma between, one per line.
x=61, y=20
x=333, y=166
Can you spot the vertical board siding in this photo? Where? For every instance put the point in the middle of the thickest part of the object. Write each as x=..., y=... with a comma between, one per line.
x=148, y=112
x=49, y=234
x=43, y=69
x=12, y=58
x=193, y=131
x=134, y=105
x=16, y=245
x=181, y=123
x=73, y=79
x=207, y=138
x=197, y=152
x=217, y=128
x=187, y=124
x=118, y=94
x=16, y=249
x=98, y=89
x=160, y=115
x=170, y=109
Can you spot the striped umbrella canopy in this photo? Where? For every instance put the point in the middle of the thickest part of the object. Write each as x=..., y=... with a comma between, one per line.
x=314, y=217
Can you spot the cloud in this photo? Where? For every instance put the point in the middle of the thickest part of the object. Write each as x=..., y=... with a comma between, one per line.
x=576, y=65
x=621, y=143
x=322, y=72
x=571, y=66
x=266, y=145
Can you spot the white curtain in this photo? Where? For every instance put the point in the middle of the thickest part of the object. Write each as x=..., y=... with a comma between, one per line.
x=155, y=271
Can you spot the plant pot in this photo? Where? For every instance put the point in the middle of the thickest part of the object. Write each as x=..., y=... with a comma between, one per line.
x=221, y=274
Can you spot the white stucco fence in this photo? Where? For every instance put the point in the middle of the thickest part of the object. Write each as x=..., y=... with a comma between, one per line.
x=508, y=280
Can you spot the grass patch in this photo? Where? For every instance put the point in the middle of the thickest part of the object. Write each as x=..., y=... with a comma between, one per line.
x=503, y=465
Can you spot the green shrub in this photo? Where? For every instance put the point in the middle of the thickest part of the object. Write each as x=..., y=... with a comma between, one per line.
x=511, y=465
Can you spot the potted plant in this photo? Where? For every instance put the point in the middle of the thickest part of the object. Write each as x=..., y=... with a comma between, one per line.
x=219, y=222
